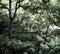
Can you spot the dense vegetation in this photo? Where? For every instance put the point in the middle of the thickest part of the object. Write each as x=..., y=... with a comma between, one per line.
x=29, y=27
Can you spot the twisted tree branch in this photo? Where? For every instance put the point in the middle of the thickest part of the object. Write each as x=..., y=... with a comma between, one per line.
x=3, y=6
x=16, y=8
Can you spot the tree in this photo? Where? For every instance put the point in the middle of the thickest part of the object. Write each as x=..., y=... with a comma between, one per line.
x=31, y=8
x=35, y=20
x=11, y=18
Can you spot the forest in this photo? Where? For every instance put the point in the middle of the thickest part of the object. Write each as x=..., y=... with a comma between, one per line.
x=30, y=26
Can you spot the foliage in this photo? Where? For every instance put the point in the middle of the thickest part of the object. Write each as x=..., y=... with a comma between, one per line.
x=26, y=27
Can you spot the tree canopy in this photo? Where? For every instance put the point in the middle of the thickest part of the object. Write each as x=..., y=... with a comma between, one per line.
x=29, y=27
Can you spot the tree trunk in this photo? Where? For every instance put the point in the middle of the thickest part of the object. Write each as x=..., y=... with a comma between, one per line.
x=10, y=19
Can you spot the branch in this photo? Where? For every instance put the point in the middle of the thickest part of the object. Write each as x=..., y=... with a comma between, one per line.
x=16, y=8
x=3, y=6
x=47, y=30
